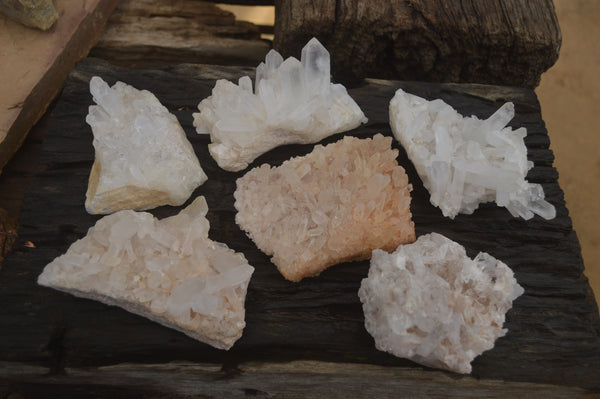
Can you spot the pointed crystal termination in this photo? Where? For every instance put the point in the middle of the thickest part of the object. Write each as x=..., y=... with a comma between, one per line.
x=465, y=161
x=429, y=302
x=143, y=158
x=316, y=63
x=166, y=270
x=334, y=205
x=293, y=102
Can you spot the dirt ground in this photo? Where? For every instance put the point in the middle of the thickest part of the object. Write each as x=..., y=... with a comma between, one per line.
x=570, y=96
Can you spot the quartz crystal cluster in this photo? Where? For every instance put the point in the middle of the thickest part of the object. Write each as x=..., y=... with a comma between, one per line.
x=466, y=161
x=143, y=159
x=430, y=303
x=167, y=270
x=336, y=204
x=293, y=102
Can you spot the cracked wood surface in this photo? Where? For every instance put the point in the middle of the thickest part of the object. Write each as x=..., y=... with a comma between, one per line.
x=52, y=342
x=505, y=42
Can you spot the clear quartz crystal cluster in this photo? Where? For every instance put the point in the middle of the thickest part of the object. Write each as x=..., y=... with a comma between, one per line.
x=293, y=102
x=336, y=204
x=143, y=159
x=466, y=161
x=430, y=303
x=167, y=270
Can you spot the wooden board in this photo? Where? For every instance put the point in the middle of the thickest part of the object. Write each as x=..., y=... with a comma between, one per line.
x=302, y=339
x=143, y=32
x=504, y=42
x=34, y=64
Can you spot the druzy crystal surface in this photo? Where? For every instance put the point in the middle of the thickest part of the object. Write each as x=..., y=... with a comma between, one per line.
x=429, y=302
x=336, y=204
x=465, y=161
x=143, y=159
x=292, y=102
x=166, y=270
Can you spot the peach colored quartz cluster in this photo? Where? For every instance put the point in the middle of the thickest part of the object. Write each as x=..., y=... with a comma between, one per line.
x=336, y=204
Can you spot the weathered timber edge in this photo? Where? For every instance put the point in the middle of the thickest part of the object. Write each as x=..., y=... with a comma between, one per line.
x=298, y=379
x=50, y=84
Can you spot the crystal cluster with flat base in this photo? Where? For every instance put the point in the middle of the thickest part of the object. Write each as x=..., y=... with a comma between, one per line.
x=467, y=161
x=429, y=302
x=336, y=204
x=142, y=157
x=166, y=270
x=293, y=102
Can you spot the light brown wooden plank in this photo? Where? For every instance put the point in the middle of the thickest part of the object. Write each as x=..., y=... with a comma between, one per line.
x=34, y=64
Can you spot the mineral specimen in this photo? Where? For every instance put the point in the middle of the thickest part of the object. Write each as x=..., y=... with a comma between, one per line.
x=430, y=303
x=293, y=102
x=168, y=271
x=143, y=159
x=466, y=161
x=336, y=204
x=39, y=14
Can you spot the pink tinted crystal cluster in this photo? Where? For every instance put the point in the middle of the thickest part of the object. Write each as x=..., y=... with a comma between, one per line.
x=336, y=204
x=429, y=302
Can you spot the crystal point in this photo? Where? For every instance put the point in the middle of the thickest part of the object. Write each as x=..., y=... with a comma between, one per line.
x=316, y=62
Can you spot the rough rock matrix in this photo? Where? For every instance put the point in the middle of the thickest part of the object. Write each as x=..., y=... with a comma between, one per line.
x=429, y=302
x=293, y=102
x=467, y=161
x=166, y=270
x=143, y=159
x=336, y=204
x=39, y=14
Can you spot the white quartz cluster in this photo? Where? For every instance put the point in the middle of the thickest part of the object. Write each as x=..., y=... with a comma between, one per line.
x=467, y=161
x=143, y=159
x=293, y=102
x=430, y=303
x=167, y=270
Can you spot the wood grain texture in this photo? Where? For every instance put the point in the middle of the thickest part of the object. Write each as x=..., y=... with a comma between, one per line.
x=53, y=342
x=143, y=32
x=245, y=2
x=504, y=42
x=296, y=379
x=40, y=62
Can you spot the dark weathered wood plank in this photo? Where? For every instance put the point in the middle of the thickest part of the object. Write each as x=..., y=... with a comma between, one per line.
x=553, y=328
x=507, y=42
x=297, y=379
